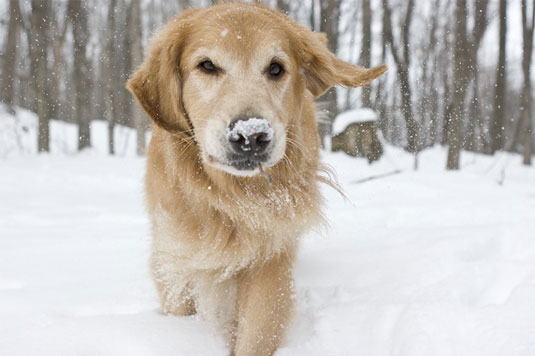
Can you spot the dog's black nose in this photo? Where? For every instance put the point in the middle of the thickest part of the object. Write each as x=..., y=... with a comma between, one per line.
x=249, y=137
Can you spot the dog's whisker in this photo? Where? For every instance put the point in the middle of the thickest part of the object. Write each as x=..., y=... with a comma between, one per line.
x=290, y=164
x=296, y=143
x=184, y=148
x=264, y=174
x=297, y=146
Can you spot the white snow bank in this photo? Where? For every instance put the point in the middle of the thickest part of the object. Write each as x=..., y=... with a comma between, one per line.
x=417, y=263
x=18, y=136
x=342, y=121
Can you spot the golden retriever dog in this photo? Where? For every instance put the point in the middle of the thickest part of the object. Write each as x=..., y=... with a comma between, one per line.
x=232, y=171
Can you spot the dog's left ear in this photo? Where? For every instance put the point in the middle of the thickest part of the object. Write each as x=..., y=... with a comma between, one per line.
x=322, y=69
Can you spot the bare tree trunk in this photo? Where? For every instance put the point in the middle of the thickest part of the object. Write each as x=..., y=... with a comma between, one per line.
x=465, y=69
x=460, y=83
x=433, y=108
x=382, y=95
x=365, y=55
x=329, y=23
x=109, y=74
x=475, y=121
x=78, y=19
x=475, y=142
x=426, y=87
x=402, y=59
x=8, y=73
x=57, y=67
x=527, y=31
x=313, y=5
x=446, y=66
x=125, y=101
x=351, y=28
x=497, y=135
x=40, y=22
x=137, y=57
x=283, y=5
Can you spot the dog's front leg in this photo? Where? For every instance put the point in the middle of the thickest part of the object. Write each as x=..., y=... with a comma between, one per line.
x=265, y=306
x=173, y=288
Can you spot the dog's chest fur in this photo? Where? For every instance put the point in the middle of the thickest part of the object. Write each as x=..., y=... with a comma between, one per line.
x=209, y=224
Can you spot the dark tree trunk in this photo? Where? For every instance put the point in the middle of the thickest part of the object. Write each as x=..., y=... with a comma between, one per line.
x=445, y=61
x=465, y=69
x=329, y=23
x=8, y=73
x=402, y=60
x=57, y=68
x=475, y=120
x=475, y=142
x=283, y=5
x=313, y=15
x=81, y=72
x=427, y=87
x=497, y=135
x=413, y=145
x=527, y=30
x=39, y=38
x=381, y=94
x=365, y=55
x=135, y=35
x=460, y=83
x=433, y=109
x=110, y=73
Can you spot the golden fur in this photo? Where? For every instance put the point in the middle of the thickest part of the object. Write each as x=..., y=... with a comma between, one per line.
x=224, y=244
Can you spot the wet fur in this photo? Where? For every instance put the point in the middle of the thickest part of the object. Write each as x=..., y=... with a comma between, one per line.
x=224, y=245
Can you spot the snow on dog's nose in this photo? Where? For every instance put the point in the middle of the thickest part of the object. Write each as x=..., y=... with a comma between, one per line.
x=249, y=137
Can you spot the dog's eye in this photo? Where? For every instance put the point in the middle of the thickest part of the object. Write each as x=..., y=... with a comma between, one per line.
x=275, y=70
x=208, y=67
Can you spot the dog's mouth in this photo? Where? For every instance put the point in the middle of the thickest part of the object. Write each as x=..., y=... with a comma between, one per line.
x=249, y=164
x=246, y=163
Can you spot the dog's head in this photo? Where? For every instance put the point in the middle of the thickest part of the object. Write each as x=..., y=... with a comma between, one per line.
x=235, y=77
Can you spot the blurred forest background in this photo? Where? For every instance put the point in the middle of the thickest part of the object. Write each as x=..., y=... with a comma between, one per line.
x=460, y=70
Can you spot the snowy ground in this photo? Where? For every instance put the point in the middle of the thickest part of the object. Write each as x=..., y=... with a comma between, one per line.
x=425, y=263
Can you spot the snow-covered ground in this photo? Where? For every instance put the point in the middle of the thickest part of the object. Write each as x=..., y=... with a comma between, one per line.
x=18, y=135
x=415, y=263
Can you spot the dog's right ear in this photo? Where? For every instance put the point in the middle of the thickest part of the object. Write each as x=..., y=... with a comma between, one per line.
x=157, y=83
